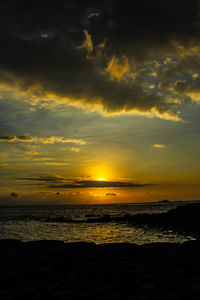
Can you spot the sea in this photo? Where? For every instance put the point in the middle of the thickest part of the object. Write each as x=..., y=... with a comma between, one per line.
x=72, y=223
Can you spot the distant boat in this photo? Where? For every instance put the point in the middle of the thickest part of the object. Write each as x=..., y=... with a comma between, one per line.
x=164, y=201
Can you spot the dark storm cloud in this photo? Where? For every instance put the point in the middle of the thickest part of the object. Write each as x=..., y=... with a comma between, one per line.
x=46, y=178
x=98, y=184
x=181, y=75
x=188, y=86
x=111, y=194
x=41, y=46
x=14, y=195
x=121, y=22
x=68, y=183
x=7, y=138
x=143, y=26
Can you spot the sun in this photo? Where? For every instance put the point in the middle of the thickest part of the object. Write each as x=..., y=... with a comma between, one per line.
x=101, y=179
x=100, y=172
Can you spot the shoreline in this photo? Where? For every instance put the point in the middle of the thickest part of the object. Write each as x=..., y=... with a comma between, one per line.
x=57, y=270
x=105, y=204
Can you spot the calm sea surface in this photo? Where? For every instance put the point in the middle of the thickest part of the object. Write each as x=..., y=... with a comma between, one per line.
x=67, y=223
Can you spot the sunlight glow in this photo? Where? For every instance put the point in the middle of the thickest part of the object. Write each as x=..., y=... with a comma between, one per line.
x=100, y=172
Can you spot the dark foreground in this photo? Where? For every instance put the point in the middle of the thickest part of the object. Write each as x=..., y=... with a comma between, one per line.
x=54, y=270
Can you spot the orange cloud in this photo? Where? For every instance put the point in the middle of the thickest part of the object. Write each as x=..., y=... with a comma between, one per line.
x=87, y=44
x=158, y=146
x=43, y=140
x=116, y=68
x=74, y=149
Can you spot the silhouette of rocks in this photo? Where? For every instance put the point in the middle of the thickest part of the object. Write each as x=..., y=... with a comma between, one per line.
x=90, y=215
x=55, y=270
x=164, y=201
x=183, y=218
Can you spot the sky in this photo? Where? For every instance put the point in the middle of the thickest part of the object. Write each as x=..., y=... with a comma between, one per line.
x=99, y=101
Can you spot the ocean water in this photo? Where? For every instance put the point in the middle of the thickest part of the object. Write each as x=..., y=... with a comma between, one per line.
x=71, y=223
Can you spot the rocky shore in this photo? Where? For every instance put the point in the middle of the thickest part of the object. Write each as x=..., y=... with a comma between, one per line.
x=55, y=270
x=184, y=219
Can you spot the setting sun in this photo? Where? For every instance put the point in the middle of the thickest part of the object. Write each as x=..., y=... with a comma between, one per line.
x=101, y=172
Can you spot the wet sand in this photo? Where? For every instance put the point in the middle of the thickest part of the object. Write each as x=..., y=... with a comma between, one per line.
x=54, y=270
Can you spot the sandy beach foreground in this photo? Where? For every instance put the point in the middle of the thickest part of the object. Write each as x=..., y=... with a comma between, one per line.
x=55, y=270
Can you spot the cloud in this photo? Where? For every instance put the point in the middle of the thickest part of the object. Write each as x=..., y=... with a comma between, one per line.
x=3, y=165
x=113, y=79
x=55, y=163
x=98, y=184
x=53, y=139
x=117, y=69
x=42, y=158
x=158, y=146
x=189, y=87
x=7, y=138
x=92, y=15
x=16, y=139
x=87, y=44
x=51, y=178
x=71, y=183
x=3, y=155
x=111, y=194
x=27, y=139
x=180, y=76
x=74, y=149
x=43, y=140
x=44, y=35
x=31, y=152
x=14, y=195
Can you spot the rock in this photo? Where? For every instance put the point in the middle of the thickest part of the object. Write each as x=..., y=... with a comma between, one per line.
x=138, y=297
x=45, y=243
x=54, y=270
x=148, y=288
x=7, y=243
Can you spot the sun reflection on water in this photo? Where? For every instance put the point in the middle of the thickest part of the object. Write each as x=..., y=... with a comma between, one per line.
x=95, y=232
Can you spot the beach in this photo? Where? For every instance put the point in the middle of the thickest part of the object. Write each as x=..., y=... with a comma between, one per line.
x=58, y=270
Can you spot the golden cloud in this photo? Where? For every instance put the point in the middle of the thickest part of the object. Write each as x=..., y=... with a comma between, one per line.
x=43, y=140
x=74, y=149
x=117, y=69
x=87, y=44
x=158, y=146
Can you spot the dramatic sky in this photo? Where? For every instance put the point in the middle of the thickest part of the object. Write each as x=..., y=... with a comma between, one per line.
x=99, y=101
